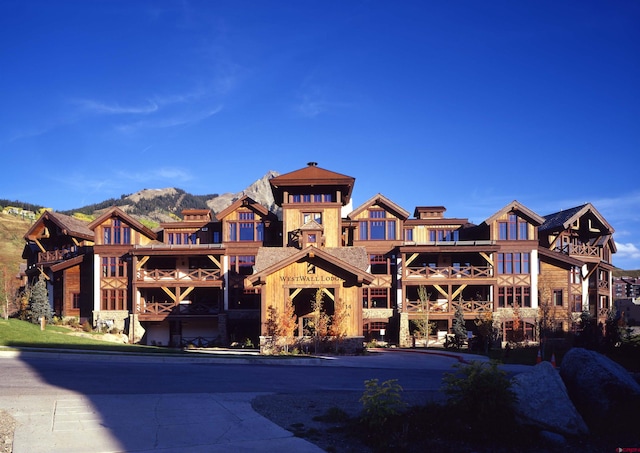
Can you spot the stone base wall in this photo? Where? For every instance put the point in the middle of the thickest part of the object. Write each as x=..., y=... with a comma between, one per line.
x=111, y=318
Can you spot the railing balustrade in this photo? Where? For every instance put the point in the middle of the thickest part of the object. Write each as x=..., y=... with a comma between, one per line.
x=468, y=306
x=170, y=308
x=580, y=250
x=449, y=272
x=179, y=274
x=49, y=256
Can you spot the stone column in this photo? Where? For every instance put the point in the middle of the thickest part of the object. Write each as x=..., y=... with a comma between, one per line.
x=405, y=338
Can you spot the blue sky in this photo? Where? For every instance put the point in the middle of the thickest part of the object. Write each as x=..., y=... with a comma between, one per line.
x=465, y=104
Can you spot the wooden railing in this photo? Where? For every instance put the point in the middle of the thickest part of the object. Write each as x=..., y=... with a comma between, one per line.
x=59, y=255
x=603, y=312
x=581, y=250
x=449, y=272
x=170, y=308
x=468, y=306
x=179, y=275
x=157, y=308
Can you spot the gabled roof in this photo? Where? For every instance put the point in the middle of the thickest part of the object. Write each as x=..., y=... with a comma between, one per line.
x=311, y=225
x=518, y=207
x=381, y=200
x=69, y=226
x=353, y=260
x=126, y=218
x=243, y=201
x=562, y=220
x=311, y=175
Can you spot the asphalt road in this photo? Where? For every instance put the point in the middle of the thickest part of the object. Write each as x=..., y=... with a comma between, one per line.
x=106, y=403
x=87, y=374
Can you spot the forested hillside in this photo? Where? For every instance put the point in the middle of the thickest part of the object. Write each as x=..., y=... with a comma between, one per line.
x=12, y=231
x=148, y=201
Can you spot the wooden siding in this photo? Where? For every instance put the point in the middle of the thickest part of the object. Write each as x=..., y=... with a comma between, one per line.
x=276, y=291
x=71, y=287
x=292, y=218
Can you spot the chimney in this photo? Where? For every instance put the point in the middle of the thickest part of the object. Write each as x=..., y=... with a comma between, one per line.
x=312, y=164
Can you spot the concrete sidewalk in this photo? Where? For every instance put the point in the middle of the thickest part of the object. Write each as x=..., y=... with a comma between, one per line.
x=193, y=423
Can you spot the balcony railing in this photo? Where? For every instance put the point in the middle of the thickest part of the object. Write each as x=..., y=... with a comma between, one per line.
x=581, y=250
x=446, y=307
x=52, y=256
x=194, y=275
x=172, y=309
x=449, y=272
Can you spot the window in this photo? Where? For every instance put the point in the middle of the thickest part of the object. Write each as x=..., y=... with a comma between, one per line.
x=575, y=275
x=508, y=295
x=113, y=299
x=408, y=234
x=513, y=263
x=443, y=235
x=379, y=229
x=311, y=238
x=557, y=297
x=375, y=298
x=243, y=264
x=75, y=304
x=378, y=264
x=311, y=198
x=117, y=233
x=309, y=216
x=576, y=305
x=513, y=229
x=247, y=229
x=113, y=267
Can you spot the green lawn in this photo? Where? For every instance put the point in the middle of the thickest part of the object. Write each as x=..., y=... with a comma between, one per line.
x=16, y=333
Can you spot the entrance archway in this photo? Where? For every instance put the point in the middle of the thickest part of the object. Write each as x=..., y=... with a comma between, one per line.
x=303, y=300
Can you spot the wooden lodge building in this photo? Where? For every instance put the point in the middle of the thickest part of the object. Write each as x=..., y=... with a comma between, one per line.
x=209, y=280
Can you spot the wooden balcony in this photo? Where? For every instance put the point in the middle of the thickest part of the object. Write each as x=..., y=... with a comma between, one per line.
x=449, y=272
x=157, y=311
x=449, y=308
x=581, y=250
x=54, y=256
x=178, y=275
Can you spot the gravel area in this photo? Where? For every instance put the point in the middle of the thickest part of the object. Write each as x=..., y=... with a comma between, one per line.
x=7, y=426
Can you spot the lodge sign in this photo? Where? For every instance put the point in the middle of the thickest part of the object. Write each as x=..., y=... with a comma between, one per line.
x=310, y=279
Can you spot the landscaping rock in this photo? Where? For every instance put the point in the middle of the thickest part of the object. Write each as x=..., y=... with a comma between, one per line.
x=603, y=391
x=543, y=402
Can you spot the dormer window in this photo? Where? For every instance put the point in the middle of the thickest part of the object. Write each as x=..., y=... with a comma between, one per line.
x=377, y=227
x=246, y=229
x=117, y=233
x=514, y=229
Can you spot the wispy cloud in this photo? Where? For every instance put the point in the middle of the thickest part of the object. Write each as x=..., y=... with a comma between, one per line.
x=162, y=176
x=173, y=120
x=98, y=107
x=313, y=100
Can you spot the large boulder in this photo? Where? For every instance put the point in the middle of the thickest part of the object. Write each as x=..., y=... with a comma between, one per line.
x=543, y=402
x=603, y=391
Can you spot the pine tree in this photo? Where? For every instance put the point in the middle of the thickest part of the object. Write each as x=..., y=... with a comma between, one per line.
x=39, y=302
